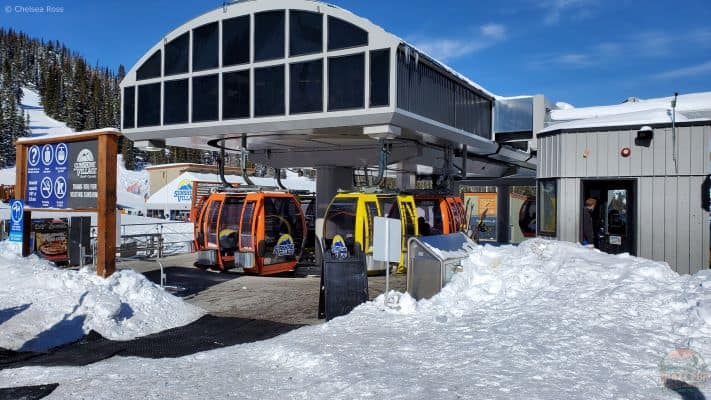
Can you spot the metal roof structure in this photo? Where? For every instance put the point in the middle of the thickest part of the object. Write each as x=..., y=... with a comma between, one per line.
x=309, y=84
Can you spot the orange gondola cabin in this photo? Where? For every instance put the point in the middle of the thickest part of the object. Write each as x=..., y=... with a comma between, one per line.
x=439, y=213
x=261, y=232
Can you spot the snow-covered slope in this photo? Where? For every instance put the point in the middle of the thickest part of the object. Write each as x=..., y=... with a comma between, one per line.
x=40, y=123
x=545, y=320
x=44, y=306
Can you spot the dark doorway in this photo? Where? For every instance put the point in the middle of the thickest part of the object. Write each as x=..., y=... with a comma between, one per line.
x=614, y=214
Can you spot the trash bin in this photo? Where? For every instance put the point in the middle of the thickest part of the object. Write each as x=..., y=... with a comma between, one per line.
x=433, y=261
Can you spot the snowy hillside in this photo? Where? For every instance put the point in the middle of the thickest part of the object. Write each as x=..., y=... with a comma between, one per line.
x=545, y=320
x=40, y=123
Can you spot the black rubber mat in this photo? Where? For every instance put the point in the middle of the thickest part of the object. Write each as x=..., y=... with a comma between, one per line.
x=207, y=333
x=27, y=392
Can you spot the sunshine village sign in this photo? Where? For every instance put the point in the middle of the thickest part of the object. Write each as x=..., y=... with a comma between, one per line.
x=72, y=173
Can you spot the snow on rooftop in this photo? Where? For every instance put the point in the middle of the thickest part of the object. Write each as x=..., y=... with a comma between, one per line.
x=44, y=306
x=544, y=320
x=689, y=107
x=634, y=119
x=685, y=103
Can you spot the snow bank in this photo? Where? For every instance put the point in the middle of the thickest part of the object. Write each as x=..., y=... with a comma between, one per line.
x=42, y=306
x=545, y=320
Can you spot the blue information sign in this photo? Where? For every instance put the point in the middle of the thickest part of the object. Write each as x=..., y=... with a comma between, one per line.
x=61, y=175
x=17, y=209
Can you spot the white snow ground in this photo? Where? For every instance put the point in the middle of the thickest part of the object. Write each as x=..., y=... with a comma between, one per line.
x=42, y=306
x=545, y=320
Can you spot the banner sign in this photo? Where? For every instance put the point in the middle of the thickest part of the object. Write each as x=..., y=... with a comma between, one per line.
x=62, y=175
x=17, y=209
x=51, y=239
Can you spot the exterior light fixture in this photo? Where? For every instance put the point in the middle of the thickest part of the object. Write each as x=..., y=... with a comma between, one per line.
x=645, y=133
x=625, y=152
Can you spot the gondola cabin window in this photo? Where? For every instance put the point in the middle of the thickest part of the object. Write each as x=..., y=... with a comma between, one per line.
x=431, y=213
x=229, y=223
x=246, y=237
x=283, y=230
x=372, y=208
x=340, y=221
x=212, y=216
x=547, y=207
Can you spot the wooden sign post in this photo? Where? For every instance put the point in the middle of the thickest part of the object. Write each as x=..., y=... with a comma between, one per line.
x=73, y=173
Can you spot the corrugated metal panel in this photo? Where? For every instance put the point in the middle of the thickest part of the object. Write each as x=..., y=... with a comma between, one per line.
x=625, y=163
x=670, y=220
x=591, y=143
x=684, y=154
x=683, y=214
x=556, y=159
x=425, y=90
x=635, y=163
x=699, y=151
x=669, y=159
x=647, y=156
x=659, y=149
x=645, y=215
x=658, y=218
x=696, y=226
x=599, y=167
x=613, y=154
x=569, y=204
x=580, y=161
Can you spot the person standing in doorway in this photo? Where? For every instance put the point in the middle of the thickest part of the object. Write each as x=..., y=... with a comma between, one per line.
x=588, y=236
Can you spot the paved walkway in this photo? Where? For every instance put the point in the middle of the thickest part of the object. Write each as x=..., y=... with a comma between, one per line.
x=286, y=299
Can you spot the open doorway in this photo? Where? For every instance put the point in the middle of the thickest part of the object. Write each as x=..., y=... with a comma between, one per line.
x=614, y=218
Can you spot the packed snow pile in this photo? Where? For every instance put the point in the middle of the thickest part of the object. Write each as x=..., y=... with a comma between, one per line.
x=545, y=320
x=42, y=306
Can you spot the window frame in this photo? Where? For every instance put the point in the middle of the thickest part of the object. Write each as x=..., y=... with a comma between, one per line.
x=540, y=202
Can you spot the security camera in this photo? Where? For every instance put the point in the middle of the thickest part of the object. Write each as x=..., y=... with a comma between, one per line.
x=645, y=133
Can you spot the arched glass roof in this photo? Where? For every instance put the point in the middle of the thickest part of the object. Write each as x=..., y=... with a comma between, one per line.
x=309, y=72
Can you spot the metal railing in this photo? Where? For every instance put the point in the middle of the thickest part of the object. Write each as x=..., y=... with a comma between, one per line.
x=148, y=240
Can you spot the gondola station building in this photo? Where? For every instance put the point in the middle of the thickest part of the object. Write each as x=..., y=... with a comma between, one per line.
x=297, y=83
x=646, y=163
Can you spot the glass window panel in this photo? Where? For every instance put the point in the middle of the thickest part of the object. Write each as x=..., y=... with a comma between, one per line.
x=246, y=233
x=175, y=102
x=149, y=105
x=213, y=213
x=342, y=34
x=547, y=207
x=379, y=77
x=205, y=42
x=150, y=68
x=340, y=220
x=235, y=94
x=235, y=41
x=268, y=35
x=176, y=55
x=269, y=91
x=306, y=92
x=129, y=106
x=282, y=216
x=346, y=82
x=305, y=32
x=205, y=95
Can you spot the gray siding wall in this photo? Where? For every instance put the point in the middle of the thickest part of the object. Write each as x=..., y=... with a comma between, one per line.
x=671, y=226
x=563, y=155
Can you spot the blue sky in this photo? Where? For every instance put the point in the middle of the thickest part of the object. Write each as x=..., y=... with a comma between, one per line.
x=585, y=52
